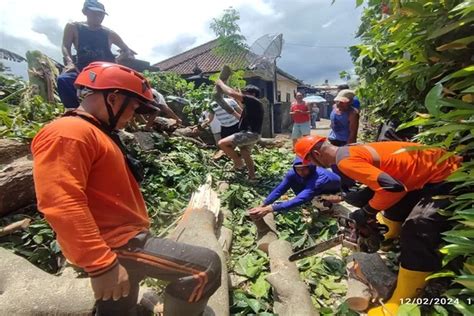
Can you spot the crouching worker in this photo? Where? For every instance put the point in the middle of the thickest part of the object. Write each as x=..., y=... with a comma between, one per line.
x=306, y=180
x=405, y=184
x=88, y=190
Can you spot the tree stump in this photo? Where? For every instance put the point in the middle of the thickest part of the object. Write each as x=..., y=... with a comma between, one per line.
x=198, y=227
x=369, y=279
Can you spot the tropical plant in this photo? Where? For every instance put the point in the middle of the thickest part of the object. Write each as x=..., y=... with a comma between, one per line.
x=227, y=30
x=415, y=64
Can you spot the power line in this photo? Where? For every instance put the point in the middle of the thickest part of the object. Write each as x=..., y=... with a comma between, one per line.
x=318, y=46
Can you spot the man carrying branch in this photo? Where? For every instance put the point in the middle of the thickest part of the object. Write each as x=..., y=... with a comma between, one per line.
x=250, y=127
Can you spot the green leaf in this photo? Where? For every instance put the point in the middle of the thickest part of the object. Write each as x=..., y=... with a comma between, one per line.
x=457, y=44
x=450, y=27
x=466, y=280
x=469, y=90
x=432, y=100
x=261, y=287
x=359, y=3
x=440, y=310
x=38, y=239
x=467, y=196
x=467, y=71
x=409, y=310
x=254, y=305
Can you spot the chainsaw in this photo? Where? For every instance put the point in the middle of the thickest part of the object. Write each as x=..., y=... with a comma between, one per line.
x=365, y=238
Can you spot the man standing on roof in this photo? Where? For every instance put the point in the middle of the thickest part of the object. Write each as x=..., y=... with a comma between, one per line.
x=344, y=119
x=88, y=190
x=92, y=42
x=250, y=127
x=306, y=180
x=300, y=114
x=405, y=183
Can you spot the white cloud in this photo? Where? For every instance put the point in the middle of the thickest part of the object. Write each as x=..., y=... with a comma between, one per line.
x=158, y=29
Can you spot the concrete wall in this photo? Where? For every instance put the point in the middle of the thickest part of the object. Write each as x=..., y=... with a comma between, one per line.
x=286, y=123
x=286, y=86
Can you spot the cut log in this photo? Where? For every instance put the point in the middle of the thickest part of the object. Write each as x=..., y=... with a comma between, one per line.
x=16, y=185
x=370, y=269
x=198, y=227
x=291, y=296
x=266, y=232
x=13, y=227
x=28, y=290
x=358, y=294
x=11, y=150
x=217, y=93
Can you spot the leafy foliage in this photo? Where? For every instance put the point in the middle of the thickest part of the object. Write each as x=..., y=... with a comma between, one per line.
x=227, y=30
x=21, y=114
x=415, y=64
x=37, y=243
x=198, y=99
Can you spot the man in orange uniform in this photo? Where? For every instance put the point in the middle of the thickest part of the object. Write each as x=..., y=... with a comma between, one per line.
x=404, y=182
x=88, y=190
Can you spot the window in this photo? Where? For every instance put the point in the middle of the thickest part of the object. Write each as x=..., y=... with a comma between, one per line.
x=279, y=96
x=288, y=97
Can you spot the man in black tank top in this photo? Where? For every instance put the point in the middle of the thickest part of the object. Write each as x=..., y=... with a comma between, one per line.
x=92, y=42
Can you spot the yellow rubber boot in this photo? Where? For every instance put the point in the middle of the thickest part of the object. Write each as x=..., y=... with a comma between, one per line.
x=409, y=283
x=393, y=226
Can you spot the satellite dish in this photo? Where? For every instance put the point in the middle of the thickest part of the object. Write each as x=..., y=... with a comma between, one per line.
x=263, y=53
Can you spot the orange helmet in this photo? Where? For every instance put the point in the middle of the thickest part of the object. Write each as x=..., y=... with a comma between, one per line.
x=305, y=144
x=109, y=76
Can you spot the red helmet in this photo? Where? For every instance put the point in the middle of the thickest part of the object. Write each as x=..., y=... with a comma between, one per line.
x=108, y=76
x=305, y=144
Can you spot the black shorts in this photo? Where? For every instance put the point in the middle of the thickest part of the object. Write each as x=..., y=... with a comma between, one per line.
x=231, y=130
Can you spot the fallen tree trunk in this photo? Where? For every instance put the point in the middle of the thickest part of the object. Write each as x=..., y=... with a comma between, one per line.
x=28, y=290
x=371, y=271
x=291, y=296
x=16, y=185
x=266, y=232
x=11, y=150
x=198, y=227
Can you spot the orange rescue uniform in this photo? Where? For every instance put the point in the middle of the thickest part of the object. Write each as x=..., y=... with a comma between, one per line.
x=86, y=192
x=390, y=170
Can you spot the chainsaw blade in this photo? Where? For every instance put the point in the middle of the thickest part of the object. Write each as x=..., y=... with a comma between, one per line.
x=313, y=250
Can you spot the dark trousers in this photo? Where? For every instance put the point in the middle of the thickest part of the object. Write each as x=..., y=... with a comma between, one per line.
x=67, y=91
x=422, y=226
x=193, y=273
x=229, y=130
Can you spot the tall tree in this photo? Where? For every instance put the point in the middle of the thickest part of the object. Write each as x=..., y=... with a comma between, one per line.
x=228, y=31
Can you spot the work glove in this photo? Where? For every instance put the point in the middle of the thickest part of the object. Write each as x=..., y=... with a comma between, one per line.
x=362, y=216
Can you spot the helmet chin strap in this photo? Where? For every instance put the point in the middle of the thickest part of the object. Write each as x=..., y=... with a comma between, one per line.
x=113, y=119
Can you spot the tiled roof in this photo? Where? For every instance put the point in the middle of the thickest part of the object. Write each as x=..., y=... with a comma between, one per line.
x=204, y=58
x=208, y=61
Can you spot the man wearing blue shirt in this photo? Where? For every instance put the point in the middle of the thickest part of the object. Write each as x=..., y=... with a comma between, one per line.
x=306, y=181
